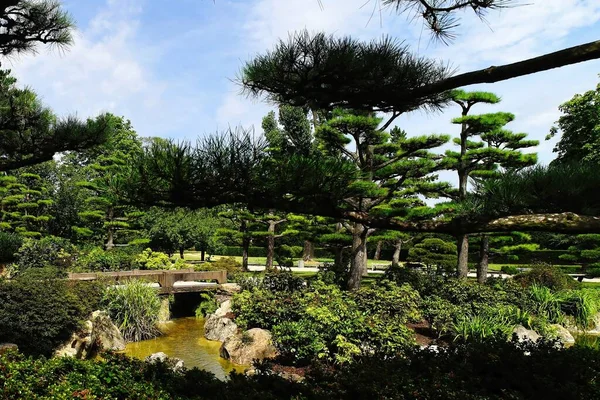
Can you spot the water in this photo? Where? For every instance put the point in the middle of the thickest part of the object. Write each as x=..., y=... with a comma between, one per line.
x=183, y=338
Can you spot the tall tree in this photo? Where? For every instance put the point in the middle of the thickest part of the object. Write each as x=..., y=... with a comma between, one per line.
x=107, y=213
x=580, y=129
x=484, y=148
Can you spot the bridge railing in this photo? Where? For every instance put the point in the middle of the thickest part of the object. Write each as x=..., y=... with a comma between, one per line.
x=165, y=278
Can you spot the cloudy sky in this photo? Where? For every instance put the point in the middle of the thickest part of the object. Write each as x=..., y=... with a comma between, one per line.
x=168, y=66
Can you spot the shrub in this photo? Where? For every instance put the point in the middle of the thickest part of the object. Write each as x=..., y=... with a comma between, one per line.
x=509, y=269
x=423, y=283
x=484, y=326
x=441, y=314
x=228, y=264
x=545, y=303
x=208, y=305
x=40, y=315
x=49, y=251
x=583, y=305
x=98, y=259
x=282, y=281
x=135, y=308
x=155, y=260
x=388, y=299
x=546, y=275
x=9, y=245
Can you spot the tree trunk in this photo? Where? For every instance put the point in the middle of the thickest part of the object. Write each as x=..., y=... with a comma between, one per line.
x=377, y=255
x=396, y=256
x=110, y=233
x=245, y=247
x=358, y=259
x=484, y=254
x=309, y=250
x=270, y=245
x=202, y=254
x=462, y=245
x=181, y=253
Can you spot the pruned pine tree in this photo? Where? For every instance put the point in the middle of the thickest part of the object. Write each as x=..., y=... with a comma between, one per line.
x=107, y=214
x=25, y=204
x=485, y=148
x=585, y=251
x=391, y=170
x=435, y=253
x=396, y=239
x=269, y=226
x=239, y=234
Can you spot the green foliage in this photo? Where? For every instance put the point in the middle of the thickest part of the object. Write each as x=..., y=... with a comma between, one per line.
x=49, y=251
x=228, y=264
x=481, y=327
x=582, y=304
x=149, y=259
x=9, y=245
x=135, y=308
x=322, y=322
x=580, y=129
x=208, y=305
x=39, y=316
x=435, y=253
x=97, y=259
x=546, y=275
x=509, y=269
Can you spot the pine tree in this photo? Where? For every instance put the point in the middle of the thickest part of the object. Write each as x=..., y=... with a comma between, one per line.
x=25, y=203
x=484, y=147
x=107, y=214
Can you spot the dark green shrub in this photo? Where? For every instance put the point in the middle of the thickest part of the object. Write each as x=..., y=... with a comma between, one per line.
x=282, y=281
x=546, y=275
x=441, y=314
x=228, y=264
x=40, y=315
x=9, y=245
x=98, y=259
x=509, y=269
x=389, y=299
x=423, y=283
x=45, y=252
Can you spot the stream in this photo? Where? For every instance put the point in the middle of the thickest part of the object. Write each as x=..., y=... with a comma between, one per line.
x=183, y=338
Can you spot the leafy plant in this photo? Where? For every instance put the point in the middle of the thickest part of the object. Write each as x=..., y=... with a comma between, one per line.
x=546, y=275
x=154, y=260
x=208, y=305
x=509, y=269
x=45, y=252
x=135, y=308
x=9, y=245
x=583, y=305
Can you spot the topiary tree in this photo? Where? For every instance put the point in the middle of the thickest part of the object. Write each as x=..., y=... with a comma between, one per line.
x=585, y=251
x=434, y=253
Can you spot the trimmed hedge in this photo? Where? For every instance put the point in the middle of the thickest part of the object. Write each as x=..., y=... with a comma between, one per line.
x=526, y=257
x=254, y=251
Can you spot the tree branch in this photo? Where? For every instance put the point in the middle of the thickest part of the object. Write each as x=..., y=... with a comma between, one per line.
x=569, y=56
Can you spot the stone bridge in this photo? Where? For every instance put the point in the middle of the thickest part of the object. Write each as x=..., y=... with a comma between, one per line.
x=169, y=281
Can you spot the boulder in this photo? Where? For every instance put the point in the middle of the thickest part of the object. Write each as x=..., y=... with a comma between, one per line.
x=105, y=334
x=524, y=334
x=254, y=344
x=4, y=347
x=219, y=328
x=563, y=334
x=223, y=309
x=229, y=288
x=80, y=343
x=175, y=364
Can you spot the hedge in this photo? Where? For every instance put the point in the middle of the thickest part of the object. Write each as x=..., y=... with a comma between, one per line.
x=526, y=257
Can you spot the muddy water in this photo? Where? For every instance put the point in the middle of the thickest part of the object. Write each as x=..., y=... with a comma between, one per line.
x=183, y=338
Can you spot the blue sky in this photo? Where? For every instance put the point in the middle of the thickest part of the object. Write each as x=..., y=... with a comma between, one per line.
x=168, y=65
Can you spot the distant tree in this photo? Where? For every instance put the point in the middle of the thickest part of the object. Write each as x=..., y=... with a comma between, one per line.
x=434, y=253
x=28, y=23
x=107, y=214
x=238, y=232
x=580, y=129
x=396, y=239
x=585, y=251
x=25, y=204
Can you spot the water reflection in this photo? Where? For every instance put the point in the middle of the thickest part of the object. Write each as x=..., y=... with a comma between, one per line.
x=183, y=338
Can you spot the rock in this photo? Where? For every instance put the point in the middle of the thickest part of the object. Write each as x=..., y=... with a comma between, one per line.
x=4, y=347
x=175, y=364
x=524, y=334
x=223, y=309
x=79, y=345
x=219, y=328
x=563, y=334
x=254, y=344
x=229, y=289
x=105, y=334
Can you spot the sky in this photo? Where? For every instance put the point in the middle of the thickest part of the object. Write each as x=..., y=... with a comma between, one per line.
x=170, y=66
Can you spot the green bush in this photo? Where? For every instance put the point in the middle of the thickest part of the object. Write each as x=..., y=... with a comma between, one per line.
x=41, y=315
x=9, y=245
x=321, y=321
x=441, y=314
x=583, y=305
x=423, y=283
x=48, y=251
x=509, y=269
x=155, y=260
x=135, y=308
x=208, y=305
x=546, y=275
x=97, y=259
x=228, y=264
